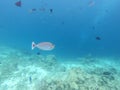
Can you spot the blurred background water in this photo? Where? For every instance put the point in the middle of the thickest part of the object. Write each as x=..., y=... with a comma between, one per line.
x=72, y=26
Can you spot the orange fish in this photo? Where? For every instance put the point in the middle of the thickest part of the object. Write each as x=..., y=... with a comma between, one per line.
x=47, y=46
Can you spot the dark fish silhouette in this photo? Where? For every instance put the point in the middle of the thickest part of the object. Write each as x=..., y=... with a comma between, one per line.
x=18, y=3
x=38, y=53
x=98, y=38
x=51, y=10
x=30, y=79
x=34, y=9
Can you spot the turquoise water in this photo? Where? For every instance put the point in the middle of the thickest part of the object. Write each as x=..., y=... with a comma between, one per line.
x=79, y=61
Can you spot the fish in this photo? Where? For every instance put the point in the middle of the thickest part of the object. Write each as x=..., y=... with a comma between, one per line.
x=38, y=53
x=98, y=38
x=51, y=10
x=32, y=10
x=46, y=46
x=30, y=79
x=18, y=3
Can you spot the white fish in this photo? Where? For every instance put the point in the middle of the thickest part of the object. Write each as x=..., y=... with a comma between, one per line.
x=43, y=46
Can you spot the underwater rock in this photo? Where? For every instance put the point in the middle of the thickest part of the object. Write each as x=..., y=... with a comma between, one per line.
x=111, y=77
x=88, y=60
x=74, y=86
x=48, y=62
x=103, y=81
x=106, y=73
x=51, y=62
x=113, y=70
x=76, y=79
x=60, y=85
x=15, y=67
x=41, y=85
x=63, y=69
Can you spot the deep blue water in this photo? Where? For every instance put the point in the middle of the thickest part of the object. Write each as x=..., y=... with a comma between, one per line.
x=72, y=27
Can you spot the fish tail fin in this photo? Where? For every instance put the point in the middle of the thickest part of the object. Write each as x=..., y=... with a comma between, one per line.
x=33, y=45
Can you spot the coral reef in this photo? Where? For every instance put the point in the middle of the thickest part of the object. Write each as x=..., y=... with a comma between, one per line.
x=77, y=79
x=25, y=71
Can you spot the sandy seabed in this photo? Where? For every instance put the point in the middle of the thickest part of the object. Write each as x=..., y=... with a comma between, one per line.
x=21, y=70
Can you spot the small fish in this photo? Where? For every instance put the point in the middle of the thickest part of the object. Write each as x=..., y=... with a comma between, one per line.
x=98, y=38
x=32, y=10
x=47, y=46
x=18, y=3
x=30, y=79
x=51, y=10
x=38, y=53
